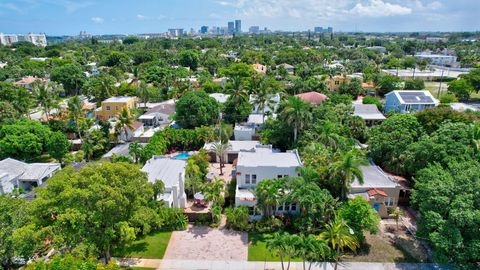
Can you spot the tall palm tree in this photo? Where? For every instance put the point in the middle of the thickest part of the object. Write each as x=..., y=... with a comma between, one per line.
x=221, y=149
x=339, y=236
x=263, y=99
x=47, y=94
x=296, y=112
x=347, y=168
x=75, y=110
x=268, y=194
x=143, y=93
x=124, y=123
x=135, y=150
x=310, y=249
x=237, y=91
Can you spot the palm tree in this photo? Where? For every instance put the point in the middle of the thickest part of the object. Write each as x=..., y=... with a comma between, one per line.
x=143, y=93
x=213, y=191
x=221, y=150
x=158, y=188
x=47, y=94
x=310, y=249
x=263, y=99
x=396, y=214
x=135, y=149
x=75, y=110
x=237, y=91
x=347, y=167
x=296, y=112
x=124, y=123
x=339, y=236
x=268, y=194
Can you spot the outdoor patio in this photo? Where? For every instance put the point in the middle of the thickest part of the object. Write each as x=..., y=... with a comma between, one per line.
x=214, y=168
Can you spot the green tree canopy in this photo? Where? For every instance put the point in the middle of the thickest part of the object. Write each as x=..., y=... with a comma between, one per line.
x=196, y=109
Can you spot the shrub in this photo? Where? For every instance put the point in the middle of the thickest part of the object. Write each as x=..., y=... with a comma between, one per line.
x=373, y=100
x=268, y=224
x=173, y=219
x=237, y=218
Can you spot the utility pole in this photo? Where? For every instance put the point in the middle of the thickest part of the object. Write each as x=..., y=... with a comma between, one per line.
x=440, y=86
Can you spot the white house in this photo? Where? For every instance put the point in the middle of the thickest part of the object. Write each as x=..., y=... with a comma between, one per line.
x=136, y=131
x=219, y=97
x=243, y=132
x=171, y=172
x=232, y=153
x=17, y=174
x=269, y=107
x=158, y=115
x=263, y=163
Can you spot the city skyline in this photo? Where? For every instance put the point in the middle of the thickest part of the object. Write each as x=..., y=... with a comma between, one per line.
x=125, y=17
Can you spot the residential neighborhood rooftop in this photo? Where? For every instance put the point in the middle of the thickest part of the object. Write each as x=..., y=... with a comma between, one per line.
x=164, y=168
x=264, y=156
x=414, y=97
x=374, y=177
x=118, y=99
x=368, y=112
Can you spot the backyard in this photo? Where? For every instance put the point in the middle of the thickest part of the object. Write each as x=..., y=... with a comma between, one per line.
x=152, y=246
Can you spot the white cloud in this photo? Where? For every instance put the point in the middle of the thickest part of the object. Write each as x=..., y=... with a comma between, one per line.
x=10, y=6
x=141, y=17
x=379, y=8
x=97, y=20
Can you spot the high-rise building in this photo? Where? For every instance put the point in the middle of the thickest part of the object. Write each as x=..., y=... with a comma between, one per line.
x=238, y=26
x=231, y=27
x=175, y=32
x=36, y=39
x=319, y=29
x=203, y=29
x=254, y=29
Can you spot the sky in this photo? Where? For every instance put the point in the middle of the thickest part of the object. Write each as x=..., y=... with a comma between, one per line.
x=69, y=17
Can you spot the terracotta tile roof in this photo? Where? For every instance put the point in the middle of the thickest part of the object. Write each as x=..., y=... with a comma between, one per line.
x=137, y=125
x=377, y=191
x=314, y=98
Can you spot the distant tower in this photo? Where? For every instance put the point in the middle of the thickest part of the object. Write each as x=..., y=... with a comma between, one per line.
x=231, y=27
x=238, y=26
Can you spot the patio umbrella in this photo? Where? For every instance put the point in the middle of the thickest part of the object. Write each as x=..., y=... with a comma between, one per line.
x=210, y=176
x=198, y=196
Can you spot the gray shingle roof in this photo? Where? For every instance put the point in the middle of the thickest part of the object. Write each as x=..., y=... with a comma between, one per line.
x=374, y=177
x=368, y=112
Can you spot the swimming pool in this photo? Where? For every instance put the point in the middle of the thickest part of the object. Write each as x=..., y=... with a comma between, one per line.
x=183, y=155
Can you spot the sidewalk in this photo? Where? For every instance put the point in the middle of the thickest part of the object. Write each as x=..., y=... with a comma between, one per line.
x=243, y=265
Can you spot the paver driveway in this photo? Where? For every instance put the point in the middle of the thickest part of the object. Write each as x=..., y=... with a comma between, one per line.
x=205, y=243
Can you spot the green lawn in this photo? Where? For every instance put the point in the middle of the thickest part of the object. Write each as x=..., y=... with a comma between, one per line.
x=257, y=248
x=152, y=246
x=376, y=249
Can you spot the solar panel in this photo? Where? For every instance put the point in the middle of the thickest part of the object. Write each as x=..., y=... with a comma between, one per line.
x=415, y=97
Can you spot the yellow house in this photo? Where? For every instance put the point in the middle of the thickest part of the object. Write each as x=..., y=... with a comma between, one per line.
x=334, y=83
x=113, y=106
x=260, y=68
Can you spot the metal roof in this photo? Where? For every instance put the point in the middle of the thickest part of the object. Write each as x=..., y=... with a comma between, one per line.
x=166, y=169
x=263, y=156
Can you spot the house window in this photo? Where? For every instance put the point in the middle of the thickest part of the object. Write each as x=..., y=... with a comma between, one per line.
x=408, y=107
x=279, y=176
x=251, y=211
x=287, y=207
x=254, y=179
x=337, y=82
x=293, y=207
x=389, y=202
x=247, y=178
x=108, y=108
x=280, y=207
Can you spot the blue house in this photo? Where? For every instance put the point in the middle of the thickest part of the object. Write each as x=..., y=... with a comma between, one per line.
x=407, y=101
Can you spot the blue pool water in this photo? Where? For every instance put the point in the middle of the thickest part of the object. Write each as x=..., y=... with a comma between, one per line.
x=183, y=155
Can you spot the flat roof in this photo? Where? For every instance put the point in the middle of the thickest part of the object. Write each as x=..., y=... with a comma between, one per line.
x=166, y=169
x=263, y=156
x=118, y=99
x=237, y=146
x=219, y=97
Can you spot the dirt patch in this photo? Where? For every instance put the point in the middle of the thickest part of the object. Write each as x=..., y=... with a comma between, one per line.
x=204, y=243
